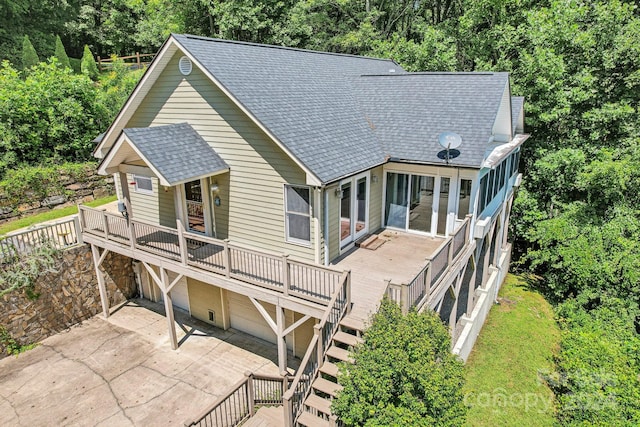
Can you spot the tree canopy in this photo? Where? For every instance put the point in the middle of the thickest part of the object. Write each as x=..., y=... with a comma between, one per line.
x=404, y=374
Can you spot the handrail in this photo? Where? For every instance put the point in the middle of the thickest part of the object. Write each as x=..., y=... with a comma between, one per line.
x=304, y=280
x=241, y=399
x=310, y=365
x=419, y=289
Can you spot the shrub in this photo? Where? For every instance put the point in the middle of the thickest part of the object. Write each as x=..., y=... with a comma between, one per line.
x=29, y=55
x=88, y=66
x=61, y=54
x=404, y=374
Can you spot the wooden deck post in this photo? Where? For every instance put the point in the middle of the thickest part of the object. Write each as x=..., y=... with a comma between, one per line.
x=348, y=291
x=227, y=259
x=251, y=395
x=97, y=261
x=168, y=308
x=285, y=274
x=282, y=344
x=404, y=298
x=317, y=330
x=76, y=224
x=182, y=243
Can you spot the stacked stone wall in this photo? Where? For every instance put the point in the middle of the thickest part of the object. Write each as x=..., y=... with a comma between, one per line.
x=64, y=298
x=68, y=191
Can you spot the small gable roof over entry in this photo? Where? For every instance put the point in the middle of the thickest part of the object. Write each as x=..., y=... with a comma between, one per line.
x=175, y=153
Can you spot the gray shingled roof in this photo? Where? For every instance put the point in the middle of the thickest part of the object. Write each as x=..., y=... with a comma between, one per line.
x=305, y=98
x=176, y=151
x=409, y=111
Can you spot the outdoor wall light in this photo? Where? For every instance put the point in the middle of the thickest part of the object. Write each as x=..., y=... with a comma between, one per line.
x=338, y=192
x=374, y=178
x=217, y=201
x=214, y=188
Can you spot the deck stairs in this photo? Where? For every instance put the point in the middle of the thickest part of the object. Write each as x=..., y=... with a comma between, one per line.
x=317, y=406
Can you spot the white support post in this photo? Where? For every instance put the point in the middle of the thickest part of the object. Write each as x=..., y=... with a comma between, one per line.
x=182, y=243
x=104, y=297
x=168, y=308
x=282, y=344
x=472, y=285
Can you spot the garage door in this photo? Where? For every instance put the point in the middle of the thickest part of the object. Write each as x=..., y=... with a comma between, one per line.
x=244, y=317
x=179, y=293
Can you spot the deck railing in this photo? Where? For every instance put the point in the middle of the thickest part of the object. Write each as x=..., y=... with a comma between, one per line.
x=60, y=235
x=324, y=331
x=416, y=291
x=267, y=270
x=241, y=401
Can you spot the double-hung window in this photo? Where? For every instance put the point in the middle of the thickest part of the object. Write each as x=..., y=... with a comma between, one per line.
x=297, y=214
x=143, y=184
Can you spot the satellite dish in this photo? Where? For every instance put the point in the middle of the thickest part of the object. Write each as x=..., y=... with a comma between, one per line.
x=449, y=141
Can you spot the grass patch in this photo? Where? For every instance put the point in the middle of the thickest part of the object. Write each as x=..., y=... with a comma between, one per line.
x=517, y=343
x=51, y=215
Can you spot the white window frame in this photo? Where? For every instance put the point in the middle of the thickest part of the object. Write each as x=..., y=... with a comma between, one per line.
x=288, y=238
x=137, y=189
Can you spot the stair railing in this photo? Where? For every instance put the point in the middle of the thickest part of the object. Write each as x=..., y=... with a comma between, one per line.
x=241, y=400
x=339, y=306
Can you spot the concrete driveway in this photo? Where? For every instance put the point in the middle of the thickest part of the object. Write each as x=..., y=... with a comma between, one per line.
x=122, y=371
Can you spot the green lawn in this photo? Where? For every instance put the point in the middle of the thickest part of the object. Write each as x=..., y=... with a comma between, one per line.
x=504, y=385
x=49, y=216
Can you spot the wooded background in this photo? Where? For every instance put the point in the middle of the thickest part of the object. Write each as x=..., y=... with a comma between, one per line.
x=576, y=225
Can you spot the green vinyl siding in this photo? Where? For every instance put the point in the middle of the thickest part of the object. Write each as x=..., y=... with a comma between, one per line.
x=375, y=200
x=252, y=198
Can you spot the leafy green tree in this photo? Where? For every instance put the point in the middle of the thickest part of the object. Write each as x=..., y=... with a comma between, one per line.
x=61, y=54
x=88, y=65
x=29, y=54
x=597, y=382
x=404, y=374
x=51, y=114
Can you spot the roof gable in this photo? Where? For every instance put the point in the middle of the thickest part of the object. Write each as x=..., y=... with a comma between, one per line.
x=175, y=153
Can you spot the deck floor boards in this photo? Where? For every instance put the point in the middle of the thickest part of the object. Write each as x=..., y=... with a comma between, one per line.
x=400, y=259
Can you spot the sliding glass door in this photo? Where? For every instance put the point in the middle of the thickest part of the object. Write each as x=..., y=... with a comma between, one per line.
x=417, y=202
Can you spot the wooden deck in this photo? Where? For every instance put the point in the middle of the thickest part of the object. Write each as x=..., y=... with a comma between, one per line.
x=399, y=259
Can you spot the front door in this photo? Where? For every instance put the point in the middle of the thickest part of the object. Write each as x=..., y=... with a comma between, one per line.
x=195, y=207
x=354, y=200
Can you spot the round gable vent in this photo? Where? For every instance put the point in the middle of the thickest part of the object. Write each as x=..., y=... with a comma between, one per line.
x=185, y=66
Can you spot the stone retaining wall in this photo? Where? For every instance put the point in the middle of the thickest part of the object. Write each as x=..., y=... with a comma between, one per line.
x=65, y=298
x=68, y=191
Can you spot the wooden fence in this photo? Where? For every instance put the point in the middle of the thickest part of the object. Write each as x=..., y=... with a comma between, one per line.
x=135, y=62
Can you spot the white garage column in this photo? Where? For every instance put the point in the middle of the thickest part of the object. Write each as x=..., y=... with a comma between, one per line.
x=165, y=287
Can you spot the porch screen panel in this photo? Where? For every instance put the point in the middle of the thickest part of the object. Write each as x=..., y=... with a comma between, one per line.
x=298, y=214
x=397, y=197
x=464, y=198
